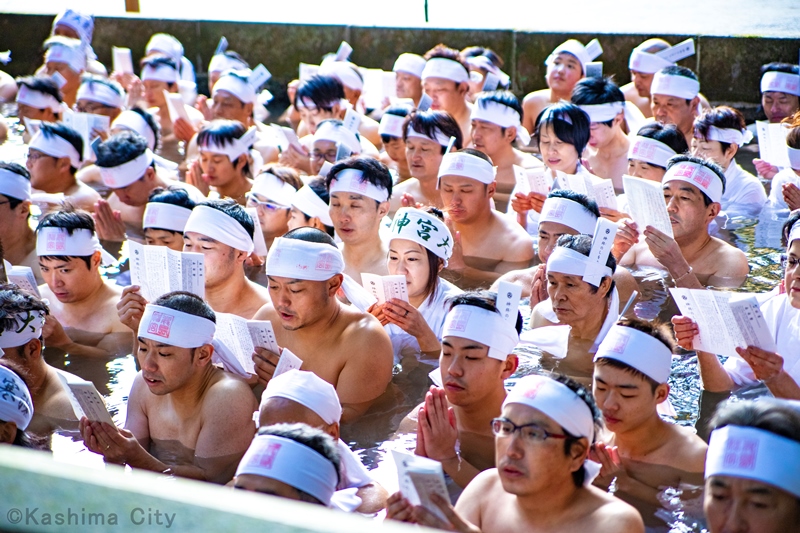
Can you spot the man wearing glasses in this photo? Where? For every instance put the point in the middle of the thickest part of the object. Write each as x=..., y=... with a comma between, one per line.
x=272, y=194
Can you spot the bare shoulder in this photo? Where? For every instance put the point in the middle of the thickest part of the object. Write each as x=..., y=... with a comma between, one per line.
x=228, y=393
x=512, y=229
x=691, y=449
x=523, y=277
x=734, y=261
x=526, y=160
x=536, y=98
x=360, y=327
x=612, y=515
x=267, y=312
x=485, y=487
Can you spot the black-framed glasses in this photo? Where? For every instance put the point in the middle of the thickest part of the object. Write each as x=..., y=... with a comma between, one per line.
x=503, y=427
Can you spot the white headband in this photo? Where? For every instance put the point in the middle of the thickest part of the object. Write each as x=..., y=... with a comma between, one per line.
x=569, y=213
x=468, y=166
x=290, y=462
x=37, y=99
x=129, y=172
x=307, y=389
x=16, y=404
x=438, y=137
x=424, y=229
x=353, y=181
x=175, y=328
x=296, y=259
x=794, y=234
x=166, y=44
x=133, y=121
x=584, y=54
x=307, y=201
x=650, y=151
x=567, y=261
x=411, y=63
x=794, y=157
x=160, y=72
x=674, y=85
x=219, y=226
x=484, y=63
x=729, y=135
x=52, y=241
x=483, y=326
x=603, y=112
x=344, y=72
x=752, y=453
x=242, y=83
x=160, y=215
x=781, y=82
x=14, y=186
x=441, y=67
x=638, y=350
x=334, y=132
x=274, y=189
x=232, y=148
x=100, y=92
x=698, y=175
x=501, y=115
x=221, y=63
x=391, y=125
x=26, y=329
x=81, y=23
x=66, y=50
x=56, y=146
x=646, y=62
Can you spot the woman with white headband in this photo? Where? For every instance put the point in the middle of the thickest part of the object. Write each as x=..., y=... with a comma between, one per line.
x=420, y=245
x=719, y=133
x=753, y=468
x=779, y=371
x=785, y=190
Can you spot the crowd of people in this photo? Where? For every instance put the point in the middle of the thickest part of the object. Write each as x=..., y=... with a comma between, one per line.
x=461, y=189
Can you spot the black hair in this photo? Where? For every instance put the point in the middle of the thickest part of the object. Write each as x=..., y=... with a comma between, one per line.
x=794, y=216
x=224, y=132
x=120, y=149
x=677, y=70
x=187, y=302
x=482, y=299
x=284, y=173
x=715, y=168
x=235, y=211
x=505, y=98
x=309, y=234
x=769, y=414
x=151, y=121
x=491, y=55
x=399, y=110
x=70, y=219
x=433, y=260
x=589, y=204
x=594, y=91
x=171, y=195
x=16, y=169
x=777, y=66
x=373, y=171
x=722, y=117
x=476, y=153
x=445, y=52
x=237, y=56
x=49, y=129
x=668, y=134
x=428, y=122
x=320, y=188
x=159, y=61
x=13, y=301
x=42, y=84
x=324, y=91
x=583, y=245
x=570, y=124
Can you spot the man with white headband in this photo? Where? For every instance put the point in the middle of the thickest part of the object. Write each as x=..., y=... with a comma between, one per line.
x=76, y=25
x=566, y=65
x=643, y=452
x=300, y=397
x=54, y=157
x=99, y=96
x=348, y=75
x=272, y=195
x=693, y=189
x=785, y=189
x=80, y=299
x=445, y=79
x=496, y=122
x=345, y=347
x=331, y=139
x=718, y=135
x=543, y=477
x=394, y=147
x=223, y=232
x=482, y=62
x=140, y=121
x=360, y=188
x=753, y=468
x=408, y=76
x=675, y=98
x=487, y=243
x=38, y=98
x=179, y=396
x=167, y=45
x=16, y=408
x=18, y=238
x=651, y=149
x=780, y=90
x=67, y=57
x=427, y=135
x=292, y=461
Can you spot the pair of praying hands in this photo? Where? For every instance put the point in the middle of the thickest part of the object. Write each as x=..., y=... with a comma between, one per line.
x=108, y=222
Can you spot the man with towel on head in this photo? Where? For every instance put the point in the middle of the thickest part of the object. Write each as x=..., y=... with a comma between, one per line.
x=445, y=79
x=487, y=244
x=675, y=98
x=18, y=238
x=303, y=397
x=344, y=346
x=780, y=100
x=38, y=98
x=65, y=58
x=640, y=450
x=186, y=417
x=408, y=76
x=543, y=479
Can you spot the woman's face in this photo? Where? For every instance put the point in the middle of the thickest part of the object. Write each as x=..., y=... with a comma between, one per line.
x=409, y=259
x=791, y=276
x=557, y=154
x=645, y=170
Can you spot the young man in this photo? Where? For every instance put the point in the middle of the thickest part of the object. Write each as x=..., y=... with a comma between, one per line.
x=38, y=98
x=345, y=347
x=543, y=479
x=330, y=137
x=360, y=189
x=445, y=79
x=487, y=243
x=643, y=64
x=80, y=300
x=272, y=194
x=100, y=96
x=226, y=163
x=641, y=450
x=394, y=147
x=496, y=122
x=675, y=98
x=780, y=99
x=18, y=238
x=67, y=57
x=55, y=154
x=693, y=189
x=186, y=417
x=408, y=76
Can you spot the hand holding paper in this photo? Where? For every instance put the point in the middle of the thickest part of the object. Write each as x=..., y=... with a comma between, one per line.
x=646, y=204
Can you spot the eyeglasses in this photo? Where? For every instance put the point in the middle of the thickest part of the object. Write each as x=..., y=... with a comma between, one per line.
x=789, y=263
x=503, y=427
x=33, y=156
x=270, y=206
x=329, y=156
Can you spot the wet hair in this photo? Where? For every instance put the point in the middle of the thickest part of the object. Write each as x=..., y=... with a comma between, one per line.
x=313, y=438
x=186, y=302
x=324, y=91
x=722, y=117
x=151, y=121
x=21, y=438
x=794, y=216
x=224, y=132
x=14, y=300
x=505, y=98
x=445, y=52
x=677, y=70
x=310, y=235
x=715, y=168
x=235, y=211
x=161, y=61
x=668, y=134
x=171, y=195
x=570, y=124
x=120, y=149
x=482, y=299
x=70, y=219
x=399, y=110
x=16, y=169
x=42, y=84
x=577, y=197
x=89, y=79
x=491, y=55
x=320, y=188
x=583, y=245
x=427, y=122
x=593, y=91
x=284, y=173
x=780, y=417
x=373, y=171
x=658, y=331
x=49, y=129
